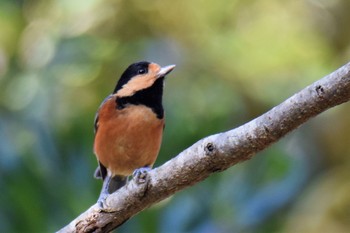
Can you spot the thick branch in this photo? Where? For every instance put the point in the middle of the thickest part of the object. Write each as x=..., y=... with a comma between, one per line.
x=216, y=153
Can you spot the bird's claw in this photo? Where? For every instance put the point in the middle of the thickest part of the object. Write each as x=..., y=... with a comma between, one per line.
x=140, y=174
x=101, y=202
x=103, y=206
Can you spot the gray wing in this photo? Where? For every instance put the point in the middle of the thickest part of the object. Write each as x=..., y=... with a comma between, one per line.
x=100, y=172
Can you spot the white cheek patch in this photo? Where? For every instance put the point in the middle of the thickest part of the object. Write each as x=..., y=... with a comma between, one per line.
x=137, y=83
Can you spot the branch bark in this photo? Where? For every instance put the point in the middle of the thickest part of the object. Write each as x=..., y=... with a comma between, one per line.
x=216, y=153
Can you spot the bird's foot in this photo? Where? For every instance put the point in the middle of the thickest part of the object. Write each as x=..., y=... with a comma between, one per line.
x=140, y=174
x=101, y=202
x=103, y=206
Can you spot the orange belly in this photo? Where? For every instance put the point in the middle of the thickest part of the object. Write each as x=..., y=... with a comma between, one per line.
x=127, y=139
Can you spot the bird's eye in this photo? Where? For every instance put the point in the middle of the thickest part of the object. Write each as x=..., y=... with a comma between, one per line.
x=142, y=71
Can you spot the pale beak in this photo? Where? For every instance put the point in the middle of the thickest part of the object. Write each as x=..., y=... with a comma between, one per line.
x=165, y=70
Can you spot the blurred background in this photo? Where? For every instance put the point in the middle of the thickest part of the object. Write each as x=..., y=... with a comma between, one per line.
x=235, y=59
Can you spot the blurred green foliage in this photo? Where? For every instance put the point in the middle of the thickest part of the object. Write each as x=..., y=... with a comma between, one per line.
x=235, y=60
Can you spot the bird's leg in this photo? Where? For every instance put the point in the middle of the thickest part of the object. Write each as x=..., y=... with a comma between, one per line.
x=104, y=192
x=110, y=185
x=140, y=174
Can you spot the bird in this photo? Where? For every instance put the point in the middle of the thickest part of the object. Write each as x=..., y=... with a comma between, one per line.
x=129, y=126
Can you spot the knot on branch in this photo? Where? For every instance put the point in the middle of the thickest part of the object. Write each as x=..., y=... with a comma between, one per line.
x=320, y=91
x=209, y=148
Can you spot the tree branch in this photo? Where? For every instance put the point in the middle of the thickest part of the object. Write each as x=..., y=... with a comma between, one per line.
x=216, y=153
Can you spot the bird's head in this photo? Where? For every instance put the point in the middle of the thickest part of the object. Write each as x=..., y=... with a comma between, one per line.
x=139, y=76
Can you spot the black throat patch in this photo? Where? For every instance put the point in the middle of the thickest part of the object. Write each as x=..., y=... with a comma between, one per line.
x=150, y=97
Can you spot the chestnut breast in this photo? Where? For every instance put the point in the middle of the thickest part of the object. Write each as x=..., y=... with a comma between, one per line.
x=127, y=138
